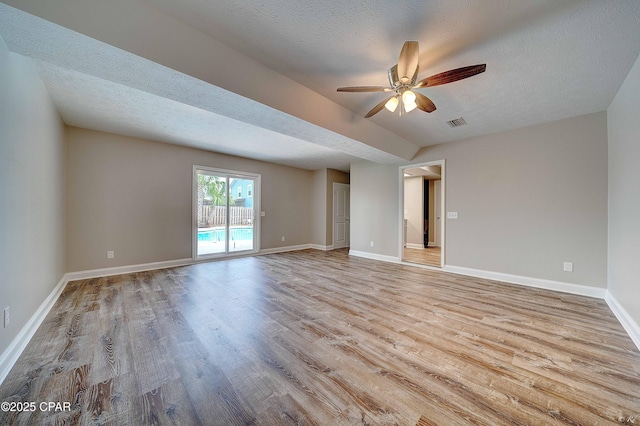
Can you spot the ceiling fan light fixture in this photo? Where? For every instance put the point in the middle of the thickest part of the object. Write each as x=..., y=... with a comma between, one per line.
x=392, y=104
x=408, y=97
x=408, y=107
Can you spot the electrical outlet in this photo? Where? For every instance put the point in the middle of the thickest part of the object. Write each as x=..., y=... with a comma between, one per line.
x=452, y=215
x=568, y=266
x=371, y=243
x=283, y=238
x=111, y=254
x=7, y=316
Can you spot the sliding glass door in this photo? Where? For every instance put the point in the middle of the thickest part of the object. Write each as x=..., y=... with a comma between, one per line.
x=225, y=203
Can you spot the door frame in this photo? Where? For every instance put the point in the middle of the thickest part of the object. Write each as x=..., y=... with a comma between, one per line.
x=437, y=238
x=194, y=212
x=401, y=170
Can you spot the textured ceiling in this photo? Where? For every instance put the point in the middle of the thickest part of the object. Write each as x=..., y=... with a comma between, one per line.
x=87, y=101
x=546, y=60
x=96, y=86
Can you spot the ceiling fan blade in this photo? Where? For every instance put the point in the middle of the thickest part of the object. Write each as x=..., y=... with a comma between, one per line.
x=425, y=104
x=451, y=76
x=376, y=109
x=365, y=89
x=408, y=61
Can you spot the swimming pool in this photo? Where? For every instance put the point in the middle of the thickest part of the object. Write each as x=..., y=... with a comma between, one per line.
x=218, y=234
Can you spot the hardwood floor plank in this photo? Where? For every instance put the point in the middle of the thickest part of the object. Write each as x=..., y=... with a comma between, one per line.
x=96, y=407
x=425, y=256
x=112, y=351
x=125, y=400
x=210, y=391
x=168, y=404
x=319, y=338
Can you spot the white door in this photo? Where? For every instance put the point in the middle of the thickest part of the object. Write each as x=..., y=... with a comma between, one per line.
x=341, y=194
x=437, y=210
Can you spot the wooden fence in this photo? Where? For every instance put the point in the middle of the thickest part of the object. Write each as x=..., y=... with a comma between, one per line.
x=210, y=216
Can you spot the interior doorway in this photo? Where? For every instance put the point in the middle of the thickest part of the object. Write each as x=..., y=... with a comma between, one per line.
x=422, y=208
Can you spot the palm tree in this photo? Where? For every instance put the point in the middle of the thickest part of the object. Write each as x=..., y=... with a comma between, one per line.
x=211, y=188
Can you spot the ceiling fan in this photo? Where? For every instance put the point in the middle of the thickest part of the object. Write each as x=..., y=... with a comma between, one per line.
x=403, y=81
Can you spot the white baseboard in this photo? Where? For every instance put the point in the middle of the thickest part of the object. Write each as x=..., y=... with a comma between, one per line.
x=374, y=256
x=415, y=246
x=321, y=247
x=128, y=269
x=582, y=290
x=118, y=270
x=13, y=352
x=631, y=327
x=285, y=249
x=578, y=289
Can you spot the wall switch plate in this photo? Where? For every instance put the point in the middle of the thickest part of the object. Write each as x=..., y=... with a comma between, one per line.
x=110, y=254
x=568, y=266
x=7, y=317
x=452, y=215
x=263, y=214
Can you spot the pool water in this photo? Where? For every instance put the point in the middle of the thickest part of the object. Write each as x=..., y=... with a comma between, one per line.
x=218, y=234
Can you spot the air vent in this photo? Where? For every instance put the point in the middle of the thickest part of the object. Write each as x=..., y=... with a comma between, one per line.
x=457, y=122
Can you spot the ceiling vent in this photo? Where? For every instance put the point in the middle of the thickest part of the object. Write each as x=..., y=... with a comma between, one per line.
x=457, y=122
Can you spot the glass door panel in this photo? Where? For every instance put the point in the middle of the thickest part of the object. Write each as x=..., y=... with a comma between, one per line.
x=241, y=214
x=212, y=214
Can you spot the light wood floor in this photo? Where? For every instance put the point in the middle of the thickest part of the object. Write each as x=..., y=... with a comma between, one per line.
x=428, y=256
x=322, y=338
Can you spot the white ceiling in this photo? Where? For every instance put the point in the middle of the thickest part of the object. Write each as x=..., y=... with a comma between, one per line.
x=546, y=60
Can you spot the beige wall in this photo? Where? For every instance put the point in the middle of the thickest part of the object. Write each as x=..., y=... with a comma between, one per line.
x=319, y=210
x=624, y=195
x=374, y=208
x=32, y=193
x=133, y=196
x=528, y=200
x=413, y=209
